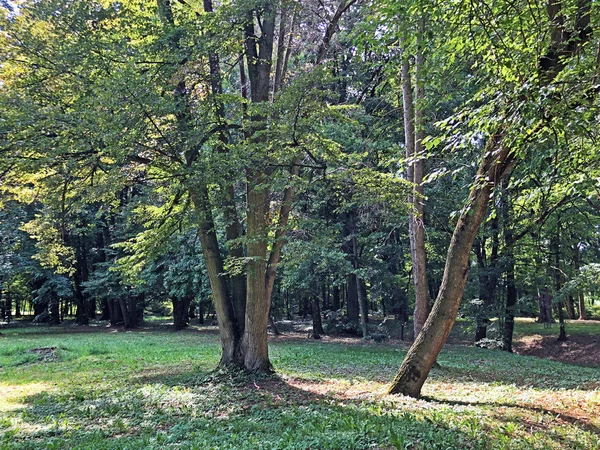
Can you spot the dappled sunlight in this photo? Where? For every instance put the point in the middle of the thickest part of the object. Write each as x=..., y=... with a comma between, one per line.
x=152, y=390
x=13, y=395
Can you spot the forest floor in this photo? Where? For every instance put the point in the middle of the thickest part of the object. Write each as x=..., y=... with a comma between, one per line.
x=99, y=388
x=582, y=346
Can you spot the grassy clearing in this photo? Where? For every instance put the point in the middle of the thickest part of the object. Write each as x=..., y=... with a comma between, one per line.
x=147, y=389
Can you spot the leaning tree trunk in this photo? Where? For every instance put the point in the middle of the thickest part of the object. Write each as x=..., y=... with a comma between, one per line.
x=228, y=331
x=422, y=355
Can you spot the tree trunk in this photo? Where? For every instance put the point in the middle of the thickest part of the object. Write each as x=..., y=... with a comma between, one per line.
x=422, y=355
x=124, y=312
x=582, y=313
x=413, y=136
x=317, y=328
x=228, y=330
x=335, y=300
x=18, y=306
x=254, y=342
x=9, y=306
x=352, y=298
x=570, y=307
x=580, y=296
x=273, y=326
x=363, y=307
x=201, y=312
x=132, y=308
x=487, y=280
x=181, y=312
x=555, y=247
x=511, y=290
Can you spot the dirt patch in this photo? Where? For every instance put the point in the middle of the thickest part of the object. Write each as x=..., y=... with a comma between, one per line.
x=45, y=354
x=577, y=349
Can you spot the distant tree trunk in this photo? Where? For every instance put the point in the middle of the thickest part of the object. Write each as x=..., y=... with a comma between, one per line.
x=273, y=326
x=192, y=310
x=132, y=309
x=181, y=312
x=570, y=307
x=555, y=247
x=413, y=136
x=6, y=305
x=325, y=294
x=18, y=307
x=545, y=304
x=201, y=312
x=54, y=310
x=81, y=316
x=335, y=301
x=363, y=307
x=317, y=328
x=509, y=257
x=38, y=308
x=124, y=313
x=580, y=296
x=352, y=298
x=582, y=313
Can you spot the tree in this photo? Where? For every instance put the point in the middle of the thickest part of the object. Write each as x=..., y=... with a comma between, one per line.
x=159, y=110
x=500, y=155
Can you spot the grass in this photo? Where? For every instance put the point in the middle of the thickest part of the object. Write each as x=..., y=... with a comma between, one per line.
x=154, y=389
x=530, y=326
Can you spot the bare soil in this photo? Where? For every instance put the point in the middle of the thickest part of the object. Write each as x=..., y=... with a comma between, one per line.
x=577, y=349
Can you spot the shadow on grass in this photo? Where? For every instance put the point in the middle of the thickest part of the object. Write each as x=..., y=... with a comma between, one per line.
x=224, y=410
x=583, y=422
x=496, y=366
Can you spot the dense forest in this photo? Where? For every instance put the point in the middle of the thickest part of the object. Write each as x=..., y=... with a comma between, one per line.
x=245, y=163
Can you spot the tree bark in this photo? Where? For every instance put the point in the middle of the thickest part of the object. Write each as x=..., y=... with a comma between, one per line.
x=487, y=280
x=413, y=136
x=352, y=308
x=545, y=303
x=317, y=328
x=335, y=298
x=254, y=342
x=259, y=51
x=363, y=307
x=582, y=313
x=228, y=331
x=181, y=308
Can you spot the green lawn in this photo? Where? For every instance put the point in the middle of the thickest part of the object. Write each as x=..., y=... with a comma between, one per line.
x=154, y=388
